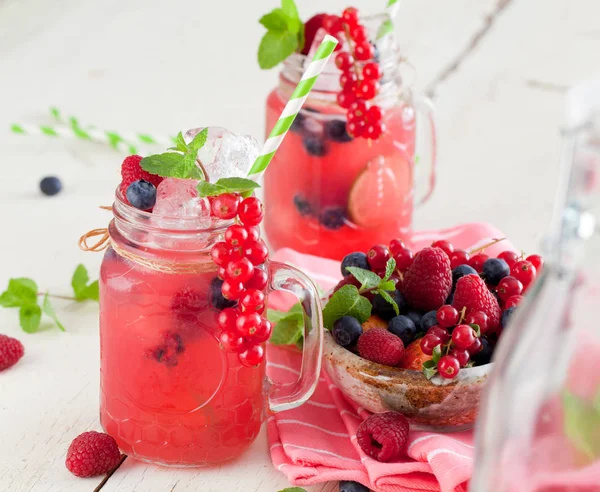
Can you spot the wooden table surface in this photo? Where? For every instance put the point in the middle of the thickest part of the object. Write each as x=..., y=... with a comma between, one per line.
x=497, y=71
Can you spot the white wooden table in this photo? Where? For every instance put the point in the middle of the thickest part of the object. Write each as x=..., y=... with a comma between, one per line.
x=497, y=70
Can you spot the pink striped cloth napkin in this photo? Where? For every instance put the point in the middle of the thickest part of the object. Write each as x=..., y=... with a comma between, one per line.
x=316, y=442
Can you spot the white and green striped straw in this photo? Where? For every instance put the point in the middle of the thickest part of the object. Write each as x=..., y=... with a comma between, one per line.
x=293, y=106
x=392, y=7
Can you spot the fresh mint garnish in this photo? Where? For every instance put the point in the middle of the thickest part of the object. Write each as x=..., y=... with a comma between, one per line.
x=476, y=328
x=227, y=185
x=429, y=368
x=367, y=278
x=437, y=353
x=284, y=36
x=346, y=302
x=23, y=293
x=293, y=489
x=288, y=327
x=371, y=282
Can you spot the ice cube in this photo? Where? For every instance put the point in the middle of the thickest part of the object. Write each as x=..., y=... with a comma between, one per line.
x=178, y=199
x=225, y=154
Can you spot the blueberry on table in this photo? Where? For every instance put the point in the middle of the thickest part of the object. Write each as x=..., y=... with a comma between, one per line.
x=494, y=270
x=332, y=218
x=357, y=259
x=50, y=185
x=384, y=309
x=216, y=297
x=302, y=205
x=141, y=194
x=348, y=486
x=336, y=131
x=506, y=316
x=346, y=331
x=461, y=271
x=428, y=320
x=484, y=356
x=314, y=145
x=403, y=327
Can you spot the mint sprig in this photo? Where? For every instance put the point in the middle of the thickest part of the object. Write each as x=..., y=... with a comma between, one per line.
x=293, y=489
x=227, y=185
x=430, y=368
x=284, y=36
x=288, y=327
x=22, y=293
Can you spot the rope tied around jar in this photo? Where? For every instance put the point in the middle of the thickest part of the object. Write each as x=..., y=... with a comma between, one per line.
x=102, y=232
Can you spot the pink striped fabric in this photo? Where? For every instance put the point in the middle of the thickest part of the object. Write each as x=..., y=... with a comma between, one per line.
x=316, y=443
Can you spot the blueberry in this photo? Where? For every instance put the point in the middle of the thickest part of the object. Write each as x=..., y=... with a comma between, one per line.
x=415, y=317
x=494, y=270
x=298, y=124
x=302, y=205
x=50, y=185
x=336, y=130
x=506, y=316
x=348, y=486
x=141, y=194
x=356, y=259
x=216, y=298
x=346, y=331
x=428, y=320
x=461, y=271
x=333, y=217
x=384, y=309
x=314, y=145
x=403, y=327
x=484, y=356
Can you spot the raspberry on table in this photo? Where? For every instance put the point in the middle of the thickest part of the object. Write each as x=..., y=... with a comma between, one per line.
x=91, y=454
x=11, y=351
x=383, y=436
x=381, y=346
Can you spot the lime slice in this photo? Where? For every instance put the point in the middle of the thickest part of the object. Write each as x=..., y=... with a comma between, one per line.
x=380, y=191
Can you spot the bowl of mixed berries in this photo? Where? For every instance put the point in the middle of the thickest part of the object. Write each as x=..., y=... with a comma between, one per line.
x=415, y=332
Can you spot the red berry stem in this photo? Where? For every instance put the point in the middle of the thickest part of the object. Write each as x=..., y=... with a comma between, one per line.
x=485, y=246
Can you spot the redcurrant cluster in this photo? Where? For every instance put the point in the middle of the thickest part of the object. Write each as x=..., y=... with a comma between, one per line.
x=360, y=75
x=240, y=258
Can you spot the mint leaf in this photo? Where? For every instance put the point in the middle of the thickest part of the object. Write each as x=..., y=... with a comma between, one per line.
x=30, y=317
x=346, y=302
x=288, y=326
x=48, y=308
x=429, y=368
x=367, y=278
x=20, y=292
x=582, y=424
x=384, y=29
x=389, y=299
x=294, y=22
x=275, y=47
x=186, y=168
x=82, y=289
x=275, y=20
x=210, y=189
x=476, y=328
x=198, y=142
x=162, y=164
x=227, y=185
x=293, y=489
x=390, y=267
x=180, y=144
x=437, y=353
x=389, y=285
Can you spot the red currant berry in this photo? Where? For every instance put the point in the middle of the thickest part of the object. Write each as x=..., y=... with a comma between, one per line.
x=367, y=89
x=439, y=332
x=232, y=289
x=350, y=16
x=221, y=254
x=240, y=270
x=253, y=301
x=252, y=356
x=459, y=257
x=447, y=316
x=259, y=280
x=475, y=347
x=251, y=211
x=510, y=257
x=222, y=273
x=348, y=81
x=253, y=234
x=364, y=51
x=477, y=261
x=524, y=272
x=537, y=261
x=346, y=98
x=256, y=252
x=236, y=235
x=374, y=130
x=232, y=341
x=227, y=318
x=478, y=318
x=344, y=61
x=428, y=343
x=508, y=287
x=461, y=355
x=463, y=336
x=263, y=331
x=513, y=301
x=356, y=128
x=444, y=245
x=374, y=114
x=404, y=259
x=359, y=34
x=247, y=323
x=225, y=206
x=448, y=367
x=378, y=256
x=359, y=109
x=397, y=245
x=372, y=71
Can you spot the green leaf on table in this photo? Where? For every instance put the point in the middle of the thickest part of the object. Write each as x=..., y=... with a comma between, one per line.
x=346, y=302
x=367, y=278
x=275, y=47
x=437, y=353
x=429, y=368
x=20, y=292
x=48, y=309
x=82, y=288
x=288, y=327
x=30, y=317
x=582, y=424
x=389, y=299
x=390, y=267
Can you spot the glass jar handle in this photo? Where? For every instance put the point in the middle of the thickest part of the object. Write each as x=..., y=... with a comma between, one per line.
x=292, y=395
x=425, y=148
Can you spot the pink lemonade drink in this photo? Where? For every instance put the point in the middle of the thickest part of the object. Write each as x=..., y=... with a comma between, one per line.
x=183, y=326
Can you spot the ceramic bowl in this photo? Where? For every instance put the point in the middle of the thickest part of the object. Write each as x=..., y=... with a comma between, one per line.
x=440, y=405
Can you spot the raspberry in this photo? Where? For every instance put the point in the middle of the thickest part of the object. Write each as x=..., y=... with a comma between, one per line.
x=187, y=299
x=428, y=281
x=379, y=345
x=131, y=171
x=11, y=350
x=383, y=436
x=472, y=293
x=310, y=30
x=92, y=453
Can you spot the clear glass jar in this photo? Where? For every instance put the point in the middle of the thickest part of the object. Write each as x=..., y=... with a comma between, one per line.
x=328, y=194
x=539, y=428
x=169, y=393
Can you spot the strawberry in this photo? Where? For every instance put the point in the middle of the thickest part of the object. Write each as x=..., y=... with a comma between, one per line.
x=428, y=282
x=414, y=357
x=472, y=293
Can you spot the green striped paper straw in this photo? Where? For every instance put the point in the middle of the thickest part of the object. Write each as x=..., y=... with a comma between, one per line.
x=392, y=7
x=293, y=106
